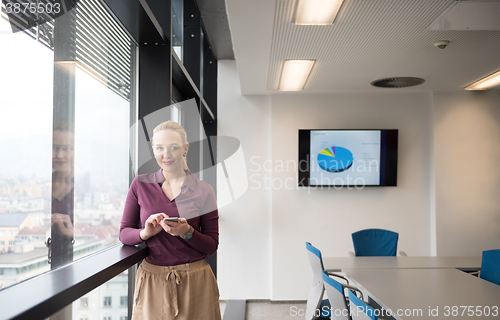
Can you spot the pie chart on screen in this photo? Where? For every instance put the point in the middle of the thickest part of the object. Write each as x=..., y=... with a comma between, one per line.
x=335, y=159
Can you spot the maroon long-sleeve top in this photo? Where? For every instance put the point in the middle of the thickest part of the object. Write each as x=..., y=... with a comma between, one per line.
x=196, y=202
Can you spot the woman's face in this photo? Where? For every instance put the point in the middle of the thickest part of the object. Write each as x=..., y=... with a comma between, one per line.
x=169, y=150
x=62, y=151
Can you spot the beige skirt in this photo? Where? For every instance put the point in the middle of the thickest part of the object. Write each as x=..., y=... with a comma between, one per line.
x=183, y=292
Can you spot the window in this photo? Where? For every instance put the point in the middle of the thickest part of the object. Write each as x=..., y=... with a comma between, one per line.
x=84, y=302
x=177, y=26
x=123, y=301
x=107, y=302
x=2, y=232
x=2, y=243
x=175, y=114
x=123, y=317
x=11, y=243
x=100, y=300
x=77, y=117
x=106, y=318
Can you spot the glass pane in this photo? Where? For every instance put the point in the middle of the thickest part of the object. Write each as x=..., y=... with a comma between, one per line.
x=102, y=303
x=26, y=97
x=177, y=27
x=175, y=114
x=66, y=100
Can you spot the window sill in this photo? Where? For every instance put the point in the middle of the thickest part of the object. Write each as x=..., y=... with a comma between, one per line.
x=43, y=295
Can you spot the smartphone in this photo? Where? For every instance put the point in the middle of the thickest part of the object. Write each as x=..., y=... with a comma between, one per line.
x=173, y=219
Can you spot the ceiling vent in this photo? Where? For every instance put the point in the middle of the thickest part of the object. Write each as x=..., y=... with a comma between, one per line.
x=397, y=82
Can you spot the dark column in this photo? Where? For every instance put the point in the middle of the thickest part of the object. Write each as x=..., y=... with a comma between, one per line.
x=192, y=41
x=154, y=94
x=210, y=124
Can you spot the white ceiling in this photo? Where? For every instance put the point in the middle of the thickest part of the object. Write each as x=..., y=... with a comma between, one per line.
x=370, y=39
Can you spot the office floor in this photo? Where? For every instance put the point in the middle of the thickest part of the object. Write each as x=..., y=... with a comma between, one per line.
x=264, y=310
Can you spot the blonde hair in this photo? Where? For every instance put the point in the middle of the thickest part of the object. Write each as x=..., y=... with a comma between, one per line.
x=174, y=126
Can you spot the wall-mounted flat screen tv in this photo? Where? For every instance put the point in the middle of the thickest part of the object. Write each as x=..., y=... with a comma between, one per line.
x=348, y=158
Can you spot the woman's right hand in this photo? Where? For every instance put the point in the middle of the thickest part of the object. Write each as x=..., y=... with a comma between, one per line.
x=152, y=226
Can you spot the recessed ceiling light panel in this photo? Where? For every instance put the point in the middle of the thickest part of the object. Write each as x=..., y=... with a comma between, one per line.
x=317, y=12
x=486, y=83
x=295, y=74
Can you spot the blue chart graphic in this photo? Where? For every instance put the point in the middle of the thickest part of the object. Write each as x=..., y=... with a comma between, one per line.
x=335, y=159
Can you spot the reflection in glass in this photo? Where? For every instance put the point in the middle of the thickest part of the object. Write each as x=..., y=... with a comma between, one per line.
x=177, y=27
x=62, y=217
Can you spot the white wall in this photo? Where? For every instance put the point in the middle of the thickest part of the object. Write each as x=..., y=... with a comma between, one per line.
x=244, y=255
x=467, y=159
x=327, y=217
x=263, y=233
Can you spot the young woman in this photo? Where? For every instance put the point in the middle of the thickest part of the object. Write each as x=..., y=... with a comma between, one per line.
x=174, y=281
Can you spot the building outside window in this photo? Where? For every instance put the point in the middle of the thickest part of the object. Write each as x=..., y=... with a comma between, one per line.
x=107, y=302
x=84, y=302
x=123, y=301
x=100, y=300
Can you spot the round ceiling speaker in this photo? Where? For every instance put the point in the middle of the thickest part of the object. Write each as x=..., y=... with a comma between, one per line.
x=397, y=82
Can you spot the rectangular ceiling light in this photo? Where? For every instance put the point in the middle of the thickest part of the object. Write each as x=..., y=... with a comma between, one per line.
x=317, y=12
x=295, y=74
x=486, y=83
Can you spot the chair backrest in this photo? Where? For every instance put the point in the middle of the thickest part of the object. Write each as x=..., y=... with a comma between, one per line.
x=359, y=309
x=490, y=266
x=335, y=293
x=375, y=242
x=317, y=287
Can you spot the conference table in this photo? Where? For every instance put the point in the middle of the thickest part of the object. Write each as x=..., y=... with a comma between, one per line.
x=421, y=287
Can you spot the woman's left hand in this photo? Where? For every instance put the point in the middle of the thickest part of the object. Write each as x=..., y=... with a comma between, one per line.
x=179, y=228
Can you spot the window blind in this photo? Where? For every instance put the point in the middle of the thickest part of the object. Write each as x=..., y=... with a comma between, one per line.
x=103, y=49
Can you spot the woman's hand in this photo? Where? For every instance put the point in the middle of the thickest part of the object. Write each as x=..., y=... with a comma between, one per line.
x=152, y=226
x=63, y=223
x=179, y=228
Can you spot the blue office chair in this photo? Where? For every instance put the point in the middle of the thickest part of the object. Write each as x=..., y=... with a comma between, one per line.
x=335, y=291
x=375, y=242
x=490, y=266
x=316, y=306
x=338, y=304
x=359, y=310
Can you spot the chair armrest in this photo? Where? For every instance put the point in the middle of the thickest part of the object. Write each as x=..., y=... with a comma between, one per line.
x=338, y=276
x=403, y=254
x=355, y=289
x=351, y=254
